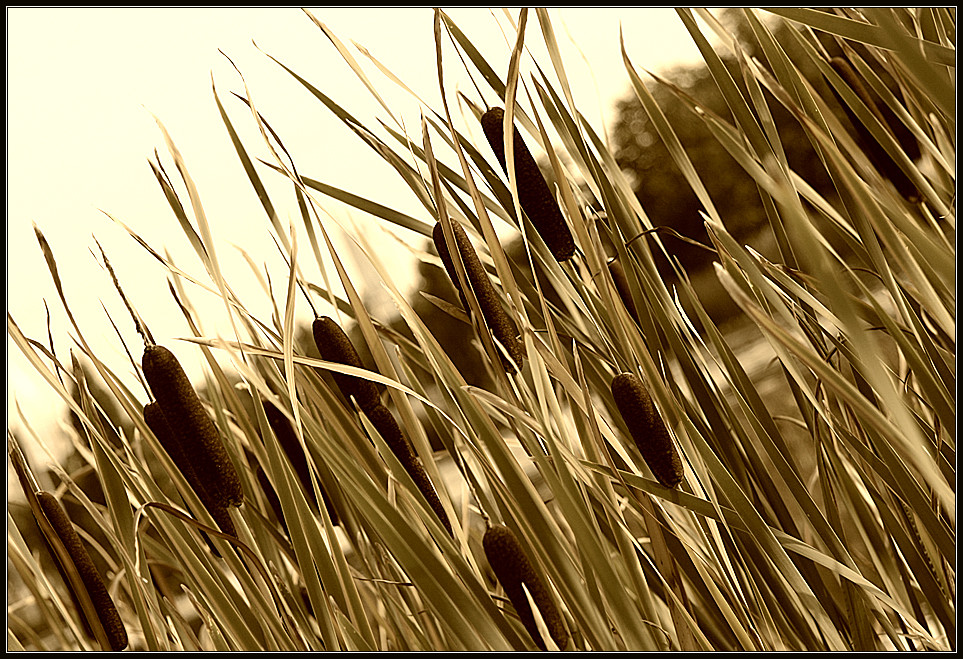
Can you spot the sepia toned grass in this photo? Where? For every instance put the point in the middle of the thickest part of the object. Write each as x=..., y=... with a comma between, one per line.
x=817, y=508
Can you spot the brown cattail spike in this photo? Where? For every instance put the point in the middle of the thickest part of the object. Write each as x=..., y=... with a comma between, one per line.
x=190, y=422
x=534, y=195
x=93, y=582
x=887, y=166
x=622, y=288
x=647, y=428
x=335, y=346
x=158, y=424
x=513, y=568
x=501, y=324
x=291, y=446
x=387, y=426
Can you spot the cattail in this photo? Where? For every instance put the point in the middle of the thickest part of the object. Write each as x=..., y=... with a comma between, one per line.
x=513, y=568
x=191, y=423
x=387, y=426
x=647, y=428
x=157, y=422
x=335, y=346
x=501, y=324
x=93, y=582
x=622, y=288
x=291, y=446
x=534, y=196
x=888, y=167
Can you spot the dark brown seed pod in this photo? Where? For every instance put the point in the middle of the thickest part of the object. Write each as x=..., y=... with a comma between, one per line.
x=190, y=422
x=157, y=422
x=387, y=426
x=647, y=428
x=93, y=582
x=887, y=166
x=335, y=346
x=513, y=568
x=501, y=324
x=534, y=195
x=622, y=288
x=291, y=446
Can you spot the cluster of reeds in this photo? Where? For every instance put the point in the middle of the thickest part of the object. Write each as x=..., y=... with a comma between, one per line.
x=633, y=476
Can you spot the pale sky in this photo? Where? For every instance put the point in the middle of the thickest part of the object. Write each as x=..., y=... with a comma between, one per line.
x=84, y=86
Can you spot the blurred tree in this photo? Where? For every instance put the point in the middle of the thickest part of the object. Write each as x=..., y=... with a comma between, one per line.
x=660, y=186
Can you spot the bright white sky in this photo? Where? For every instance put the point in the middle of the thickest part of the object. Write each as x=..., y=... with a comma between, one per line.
x=84, y=87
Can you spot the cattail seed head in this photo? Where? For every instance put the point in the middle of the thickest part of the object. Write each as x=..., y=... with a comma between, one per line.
x=877, y=154
x=291, y=446
x=335, y=346
x=513, y=568
x=389, y=429
x=622, y=288
x=191, y=423
x=534, y=195
x=157, y=422
x=93, y=582
x=647, y=428
x=501, y=324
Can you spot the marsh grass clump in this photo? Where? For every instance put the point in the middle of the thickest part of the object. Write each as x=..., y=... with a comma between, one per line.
x=93, y=582
x=497, y=319
x=647, y=427
x=335, y=346
x=189, y=421
x=534, y=195
x=514, y=569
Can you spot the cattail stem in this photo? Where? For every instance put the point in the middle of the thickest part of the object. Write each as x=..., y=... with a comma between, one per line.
x=647, y=428
x=189, y=421
x=93, y=582
x=497, y=319
x=534, y=195
x=513, y=568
